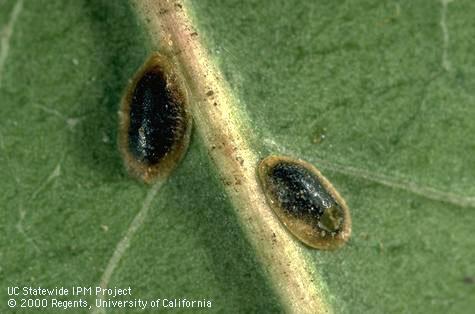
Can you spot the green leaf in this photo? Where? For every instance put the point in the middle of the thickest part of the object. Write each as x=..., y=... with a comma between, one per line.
x=372, y=77
x=66, y=198
x=377, y=94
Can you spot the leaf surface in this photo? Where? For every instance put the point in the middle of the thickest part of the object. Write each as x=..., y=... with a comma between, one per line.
x=377, y=94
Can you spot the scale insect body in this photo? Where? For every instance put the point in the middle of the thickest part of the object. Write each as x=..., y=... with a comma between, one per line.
x=155, y=123
x=305, y=202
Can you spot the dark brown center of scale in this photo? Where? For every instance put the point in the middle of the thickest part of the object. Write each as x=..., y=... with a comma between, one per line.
x=156, y=118
x=300, y=194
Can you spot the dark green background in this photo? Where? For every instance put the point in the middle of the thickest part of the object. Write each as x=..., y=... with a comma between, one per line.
x=368, y=75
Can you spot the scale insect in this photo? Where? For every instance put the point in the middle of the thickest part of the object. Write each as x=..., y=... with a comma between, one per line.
x=305, y=202
x=154, y=120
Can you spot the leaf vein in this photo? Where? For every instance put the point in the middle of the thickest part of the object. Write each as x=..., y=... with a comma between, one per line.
x=124, y=242
x=390, y=181
x=7, y=34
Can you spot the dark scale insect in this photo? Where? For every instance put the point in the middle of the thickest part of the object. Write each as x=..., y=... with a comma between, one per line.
x=155, y=124
x=305, y=202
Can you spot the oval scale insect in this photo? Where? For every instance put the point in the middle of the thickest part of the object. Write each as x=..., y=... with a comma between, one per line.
x=305, y=202
x=155, y=123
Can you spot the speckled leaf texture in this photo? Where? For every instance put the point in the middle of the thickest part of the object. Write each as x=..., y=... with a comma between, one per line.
x=379, y=95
